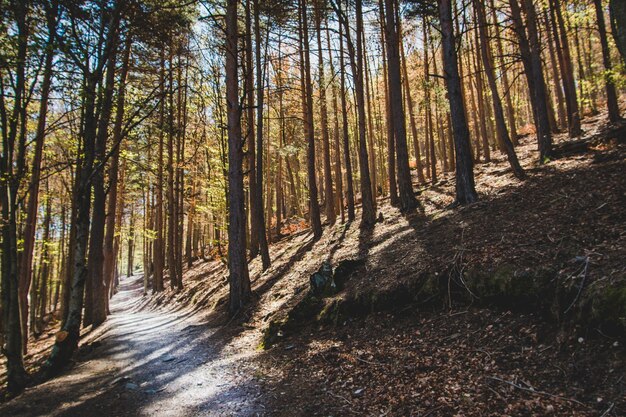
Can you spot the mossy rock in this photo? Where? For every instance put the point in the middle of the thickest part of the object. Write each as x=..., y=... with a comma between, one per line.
x=608, y=309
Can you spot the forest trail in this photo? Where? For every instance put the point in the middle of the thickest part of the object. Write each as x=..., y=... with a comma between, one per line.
x=147, y=363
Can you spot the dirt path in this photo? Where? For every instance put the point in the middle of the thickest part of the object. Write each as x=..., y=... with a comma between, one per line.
x=149, y=364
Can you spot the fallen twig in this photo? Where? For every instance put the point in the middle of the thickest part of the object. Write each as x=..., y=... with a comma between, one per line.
x=582, y=284
x=545, y=394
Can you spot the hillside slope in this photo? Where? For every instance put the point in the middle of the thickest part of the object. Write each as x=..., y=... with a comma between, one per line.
x=513, y=305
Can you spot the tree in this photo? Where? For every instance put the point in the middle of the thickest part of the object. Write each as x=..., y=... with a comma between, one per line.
x=498, y=109
x=309, y=127
x=407, y=198
x=465, y=189
x=238, y=268
x=611, y=95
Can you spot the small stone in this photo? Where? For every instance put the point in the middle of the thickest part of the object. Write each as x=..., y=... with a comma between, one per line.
x=359, y=392
x=581, y=340
x=131, y=386
x=549, y=409
x=615, y=344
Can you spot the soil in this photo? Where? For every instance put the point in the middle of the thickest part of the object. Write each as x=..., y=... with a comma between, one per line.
x=526, y=318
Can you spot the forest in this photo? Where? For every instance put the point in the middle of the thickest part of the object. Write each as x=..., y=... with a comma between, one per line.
x=312, y=207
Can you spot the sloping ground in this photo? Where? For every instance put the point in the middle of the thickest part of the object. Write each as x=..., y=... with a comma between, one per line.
x=410, y=335
x=553, y=245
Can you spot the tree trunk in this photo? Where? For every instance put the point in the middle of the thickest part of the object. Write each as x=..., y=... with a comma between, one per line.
x=260, y=70
x=405, y=188
x=611, y=95
x=309, y=132
x=26, y=259
x=237, y=266
x=109, y=238
x=328, y=181
x=498, y=110
x=345, y=134
x=465, y=189
x=571, y=101
x=95, y=308
x=531, y=58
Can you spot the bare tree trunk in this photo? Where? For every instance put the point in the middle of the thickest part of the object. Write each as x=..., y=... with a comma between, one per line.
x=260, y=69
x=345, y=134
x=237, y=265
x=495, y=95
x=407, y=198
x=328, y=181
x=611, y=95
x=109, y=238
x=26, y=259
x=465, y=189
x=394, y=199
x=309, y=132
x=531, y=58
x=571, y=101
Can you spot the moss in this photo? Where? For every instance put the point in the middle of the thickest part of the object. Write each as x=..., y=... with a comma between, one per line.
x=609, y=308
x=271, y=333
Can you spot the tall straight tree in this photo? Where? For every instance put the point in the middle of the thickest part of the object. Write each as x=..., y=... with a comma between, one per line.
x=465, y=188
x=498, y=110
x=260, y=88
x=12, y=167
x=611, y=95
x=368, y=217
x=328, y=179
x=26, y=262
x=250, y=135
x=571, y=101
x=344, y=124
x=92, y=71
x=237, y=266
x=309, y=126
x=405, y=188
x=531, y=59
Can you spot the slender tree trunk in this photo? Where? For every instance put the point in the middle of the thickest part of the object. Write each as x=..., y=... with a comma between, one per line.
x=405, y=188
x=260, y=70
x=309, y=128
x=611, y=95
x=250, y=133
x=495, y=95
x=237, y=266
x=369, y=212
x=345, y=134
x=109, y=238
x=95, y=308
x=558, y=92
x=573, y=112
x=531, y=58
x=33, y=195
x=465, y=189
x=159, y=253
x=394, y=199
x=328, y=181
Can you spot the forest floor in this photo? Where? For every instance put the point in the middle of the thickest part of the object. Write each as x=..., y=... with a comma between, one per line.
x=387, y=343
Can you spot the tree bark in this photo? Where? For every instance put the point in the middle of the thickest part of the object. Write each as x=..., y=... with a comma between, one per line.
x=405, y=188
x=238, y=268
x=465, y=189
x=611, y=95
x=498, y=110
